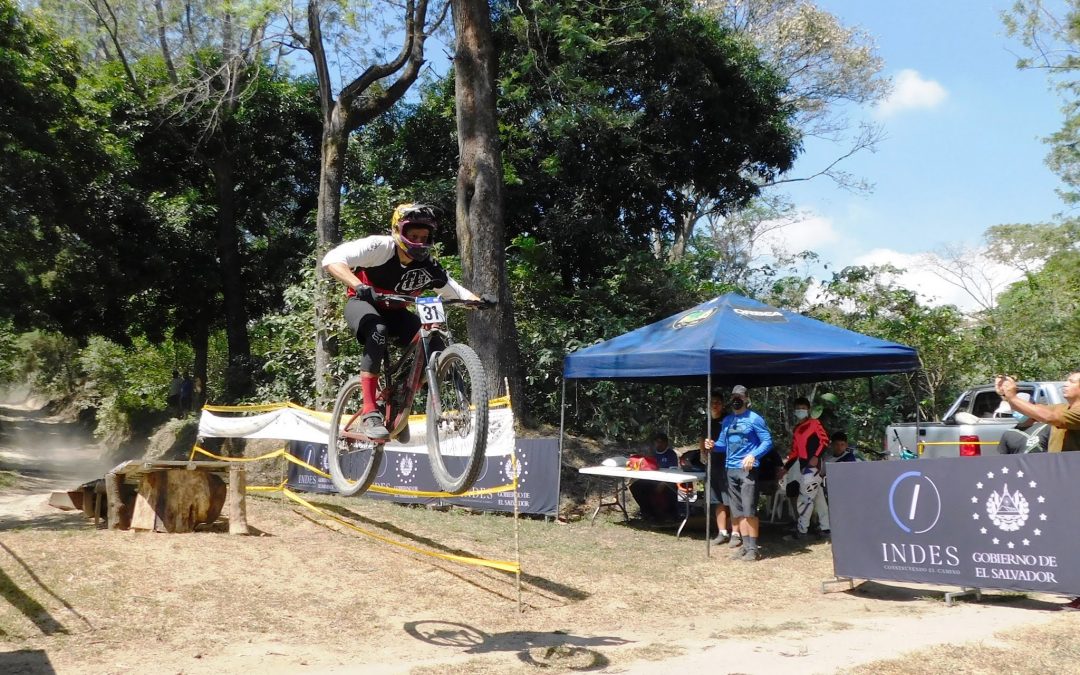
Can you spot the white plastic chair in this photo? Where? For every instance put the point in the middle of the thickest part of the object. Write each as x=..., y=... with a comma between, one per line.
x=779, y=503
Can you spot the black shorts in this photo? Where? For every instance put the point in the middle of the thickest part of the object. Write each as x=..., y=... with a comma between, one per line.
x=719, y=480
x=742, y=492
x=362, y=318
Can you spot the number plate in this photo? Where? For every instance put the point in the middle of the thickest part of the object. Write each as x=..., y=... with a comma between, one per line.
x=430, y=310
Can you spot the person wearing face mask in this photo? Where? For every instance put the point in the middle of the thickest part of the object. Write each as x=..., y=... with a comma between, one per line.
x=719, y=485
x=808, y=442
x=1027, y=436
x=745, y=439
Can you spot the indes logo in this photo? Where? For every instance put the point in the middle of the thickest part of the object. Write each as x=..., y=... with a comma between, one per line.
x=765, y=315
x=693, y=318
x=1007, y=510
x=914, y=502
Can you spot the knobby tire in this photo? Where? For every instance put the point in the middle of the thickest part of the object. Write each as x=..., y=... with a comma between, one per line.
x=344, y=480
x=461, y=431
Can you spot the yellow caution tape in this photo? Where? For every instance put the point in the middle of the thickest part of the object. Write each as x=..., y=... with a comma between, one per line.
x=500, y=402
x=253, y=407
x=504, y=565
x=922, y=444
x=289, y=457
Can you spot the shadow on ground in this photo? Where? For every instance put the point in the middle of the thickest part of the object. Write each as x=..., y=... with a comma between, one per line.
x=554, y=649
x=26, y=661
x=33, y=610
x=538, y=583
x=895, y=593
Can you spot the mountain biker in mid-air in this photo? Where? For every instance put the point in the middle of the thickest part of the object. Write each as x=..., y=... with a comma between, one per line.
x=400, y=263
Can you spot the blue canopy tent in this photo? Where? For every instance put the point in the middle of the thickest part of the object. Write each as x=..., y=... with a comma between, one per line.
x=730, y=340
x=735, y=340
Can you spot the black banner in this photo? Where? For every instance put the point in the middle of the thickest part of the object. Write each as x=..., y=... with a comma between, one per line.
x=538, y=484
x=1005, y=522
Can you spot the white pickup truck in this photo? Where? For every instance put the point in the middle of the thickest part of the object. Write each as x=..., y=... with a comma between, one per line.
x=976, y=432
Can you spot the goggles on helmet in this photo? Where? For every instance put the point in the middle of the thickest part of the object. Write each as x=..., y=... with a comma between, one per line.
x=411, y=216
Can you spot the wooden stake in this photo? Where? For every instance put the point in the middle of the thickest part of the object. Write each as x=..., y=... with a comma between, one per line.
x=517, y=544
x=237, y=500
x=115, y=503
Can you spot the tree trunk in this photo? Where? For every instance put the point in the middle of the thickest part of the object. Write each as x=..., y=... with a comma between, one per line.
x=238, y=371
x=200, y=344
x=334, y=144
x=481, y=235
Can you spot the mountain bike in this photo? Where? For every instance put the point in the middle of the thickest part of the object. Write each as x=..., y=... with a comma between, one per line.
x=448, y=374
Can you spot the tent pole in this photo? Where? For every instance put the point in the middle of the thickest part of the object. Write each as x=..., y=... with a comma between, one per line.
x=562, y=426
x=708, y=466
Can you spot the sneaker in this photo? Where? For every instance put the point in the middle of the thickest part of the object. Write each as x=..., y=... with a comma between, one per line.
x=721, y=538
x=794, y=536
x=739, y=553
x=825, y=535
x=1073, y=606
x=735, y=542
x=750, y=555
x=371, y=425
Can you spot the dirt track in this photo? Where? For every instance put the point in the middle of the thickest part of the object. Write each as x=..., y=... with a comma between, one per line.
x=305, y=598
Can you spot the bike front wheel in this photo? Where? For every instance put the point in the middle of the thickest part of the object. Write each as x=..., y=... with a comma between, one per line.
x=457, y=418
x=354, y=461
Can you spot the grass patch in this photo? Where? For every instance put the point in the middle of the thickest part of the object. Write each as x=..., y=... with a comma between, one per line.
x=8, y=479
x=1048, y=648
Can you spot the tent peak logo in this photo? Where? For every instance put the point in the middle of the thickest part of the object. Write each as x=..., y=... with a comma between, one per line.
x=766, y=315
x=693, y=318
x=1008, y=510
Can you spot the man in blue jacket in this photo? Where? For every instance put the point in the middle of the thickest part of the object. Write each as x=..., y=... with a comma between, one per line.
x=745, y=438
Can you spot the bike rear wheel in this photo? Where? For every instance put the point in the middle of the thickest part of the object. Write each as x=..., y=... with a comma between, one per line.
x=354, y=462
x=457, y=435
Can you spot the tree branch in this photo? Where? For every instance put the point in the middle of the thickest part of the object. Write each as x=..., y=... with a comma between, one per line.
x=415, y=16
x=315, y=46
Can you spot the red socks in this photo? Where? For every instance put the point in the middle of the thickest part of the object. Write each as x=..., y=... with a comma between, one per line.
x=368, y=385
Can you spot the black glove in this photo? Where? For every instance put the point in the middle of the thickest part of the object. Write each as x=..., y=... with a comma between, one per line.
x=364, y=292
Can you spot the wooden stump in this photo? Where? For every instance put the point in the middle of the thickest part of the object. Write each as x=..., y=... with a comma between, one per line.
x=176, y=500
x=237, y=500
x=119, y=513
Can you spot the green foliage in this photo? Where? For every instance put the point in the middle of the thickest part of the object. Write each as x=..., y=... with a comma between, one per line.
x=51, y=360
x=863, y=299
x=1049, y=35
x=1032, y=330
x=612, y=112
x=125, y=383
x=9, y=353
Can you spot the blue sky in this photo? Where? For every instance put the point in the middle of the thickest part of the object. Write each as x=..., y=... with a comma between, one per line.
x=963, y=148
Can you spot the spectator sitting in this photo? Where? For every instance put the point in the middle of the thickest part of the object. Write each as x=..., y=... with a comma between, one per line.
x=1027, y=436
x=839, y=450
x=657, y=500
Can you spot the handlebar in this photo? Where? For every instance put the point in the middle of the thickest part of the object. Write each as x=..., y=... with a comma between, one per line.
x=483, y=303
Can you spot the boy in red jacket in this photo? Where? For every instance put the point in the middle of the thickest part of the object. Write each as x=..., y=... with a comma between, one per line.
x=808, y=442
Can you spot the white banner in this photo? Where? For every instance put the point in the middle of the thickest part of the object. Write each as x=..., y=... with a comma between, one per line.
x=295, y=424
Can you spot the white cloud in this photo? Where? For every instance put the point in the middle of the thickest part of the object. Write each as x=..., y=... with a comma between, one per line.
x=938, y=281
x=911, y=91
x=806, y=232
